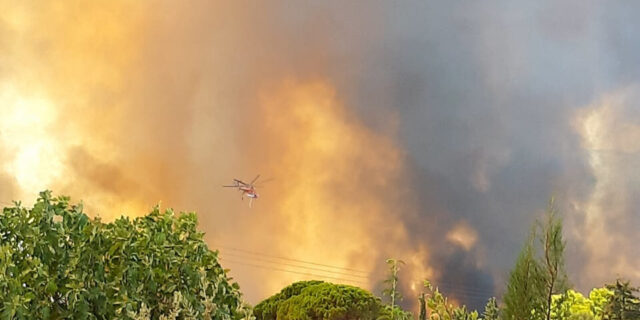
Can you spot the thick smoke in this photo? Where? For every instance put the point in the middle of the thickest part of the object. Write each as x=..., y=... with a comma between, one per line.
x=433, y=132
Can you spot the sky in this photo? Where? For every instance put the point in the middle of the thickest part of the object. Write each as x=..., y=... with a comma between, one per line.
x=435, y=132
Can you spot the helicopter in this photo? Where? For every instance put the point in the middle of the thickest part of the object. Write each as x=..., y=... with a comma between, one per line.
x=248, y=189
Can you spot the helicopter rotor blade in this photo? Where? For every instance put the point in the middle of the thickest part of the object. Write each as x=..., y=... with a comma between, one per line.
x=240, y=182
x=262, y=182
x=255, y=179
x=267, y=180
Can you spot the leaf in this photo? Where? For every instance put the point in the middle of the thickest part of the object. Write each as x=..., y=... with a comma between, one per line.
x=29, y=296
x=51, y=288
x=113, y=248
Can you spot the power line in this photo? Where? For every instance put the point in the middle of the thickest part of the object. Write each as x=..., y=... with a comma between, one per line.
x=248, y=259
x=461, y=291
x=298, y=268
x=453, y=287
x=290, y=259
x=244, y=258
x=467, y=294
x=446, y=287
x=291, y=271
x=293, y=265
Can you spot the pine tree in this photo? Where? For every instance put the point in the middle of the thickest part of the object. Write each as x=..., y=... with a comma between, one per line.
x=539, y=272
x=524, y=297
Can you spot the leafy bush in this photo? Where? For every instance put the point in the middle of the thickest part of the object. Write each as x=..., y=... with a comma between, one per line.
x=56, y=262
x=573, y=305
x=309, y=300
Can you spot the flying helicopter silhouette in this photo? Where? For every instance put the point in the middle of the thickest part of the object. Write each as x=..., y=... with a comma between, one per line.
x=247, y=189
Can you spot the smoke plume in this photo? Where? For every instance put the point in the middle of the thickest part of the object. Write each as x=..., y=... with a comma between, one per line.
x=432, y=132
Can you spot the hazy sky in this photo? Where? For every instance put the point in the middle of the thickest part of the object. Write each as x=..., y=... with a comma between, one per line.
x=430, y=131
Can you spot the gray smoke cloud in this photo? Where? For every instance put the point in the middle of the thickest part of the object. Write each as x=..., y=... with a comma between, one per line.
x=487, y=95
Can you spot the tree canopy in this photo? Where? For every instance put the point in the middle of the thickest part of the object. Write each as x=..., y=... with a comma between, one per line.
x=539, y=272
x=57, y=263
x=573, y=305
x=524, y=298
x=623, y=304
x=309, y=300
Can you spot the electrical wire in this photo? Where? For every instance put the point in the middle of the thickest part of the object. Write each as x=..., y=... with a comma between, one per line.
x=290, y=259
x=291, y=271
x=449, y=288
x=236, y=256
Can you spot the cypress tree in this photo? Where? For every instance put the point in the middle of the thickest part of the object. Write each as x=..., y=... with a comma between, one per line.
x=524, y=297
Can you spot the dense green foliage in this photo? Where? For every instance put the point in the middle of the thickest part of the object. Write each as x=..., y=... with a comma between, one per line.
x=491, y=310
x=573, y=305
x=539, y=272
x=525, y=289
x=268, y=309
x=440, y=308
x=538, y=285
x=309, y=300
x=623, y=304
x=56, y=262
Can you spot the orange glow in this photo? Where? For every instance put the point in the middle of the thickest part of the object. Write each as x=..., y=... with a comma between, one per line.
x=336, y=181
x=101, y=103
x=463, y=235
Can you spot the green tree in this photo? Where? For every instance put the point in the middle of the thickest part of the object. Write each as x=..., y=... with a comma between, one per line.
x=573, y=305
x=57, y=263
x=552, y=261
x=311, y=300
x=623, y=304
x=524, y=299
x=440, y=308
x=539, y=273
x=599, y=298
x=461, y=313
x=491, y=310
x=570, y=305
x=392, y=291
